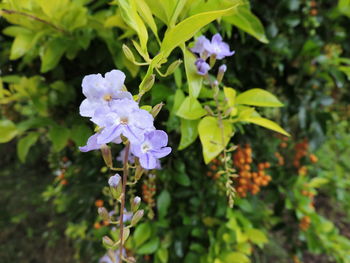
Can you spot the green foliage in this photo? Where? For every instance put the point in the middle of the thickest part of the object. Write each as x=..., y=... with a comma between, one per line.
x=300, y=64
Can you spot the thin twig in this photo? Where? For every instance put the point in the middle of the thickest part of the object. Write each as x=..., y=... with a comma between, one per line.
x=125, y=177
x=10, y=12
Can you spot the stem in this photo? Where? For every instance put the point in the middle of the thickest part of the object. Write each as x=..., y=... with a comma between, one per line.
x=10, y=12
x=125, y=176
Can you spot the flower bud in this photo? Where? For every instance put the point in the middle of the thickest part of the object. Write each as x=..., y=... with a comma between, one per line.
x=128, y=53
x=147, y=84
x=107, y=241
x=137, y=217
x=115, y=183
x=221, y=72
x=107, y=155
x=135, y=204
x=156, y=109
x=103, y=213
x=212, y=60
x=202, y=67
x=173, y=66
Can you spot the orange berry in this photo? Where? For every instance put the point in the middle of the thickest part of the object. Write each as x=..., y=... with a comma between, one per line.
x=267, y=165
x=241, y=160
x=261, y=173
x=64, y=182
x=268, y=178
x=261, y=166
x=283, y=145
x=313, y=158
x=313, y=12
x=249, y=160
x=243, y=181
x=97, y=225
x=209, y=173
x=247, y=167
x=105, y=222
x=99, y=203
x=254, y=174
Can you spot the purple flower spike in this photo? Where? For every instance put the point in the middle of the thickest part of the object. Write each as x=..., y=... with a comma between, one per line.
x=202, y=66
x=152, y=148
x=218, y=48
x=100, y=91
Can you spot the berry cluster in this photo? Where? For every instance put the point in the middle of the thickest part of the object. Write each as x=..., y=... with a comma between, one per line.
x=149, y=191
x=249, y=181
x=305, y=223
x=213, y=169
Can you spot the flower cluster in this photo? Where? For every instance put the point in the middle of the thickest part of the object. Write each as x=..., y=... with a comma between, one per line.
x=111, y=107
x=214, y=49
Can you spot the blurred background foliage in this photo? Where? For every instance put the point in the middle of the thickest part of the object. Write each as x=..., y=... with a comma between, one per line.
x=296, y=208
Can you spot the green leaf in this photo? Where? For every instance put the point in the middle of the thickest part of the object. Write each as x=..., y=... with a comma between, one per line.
x=182, y=179
x=178, y=100
x=163, y=255
x=189, y=132
x=147, y=16
x=53, y=51
x=8, y=131
x=213, y=138
x=267, y=124
x=234, y=257
x=186, y=29
x=59, y=137
x=24, y=145
x=150, y=247
x=142, y=233
x=256, y=236
x=318, y=182
x=230, y=95
x=191, y=109
x=163, y=203
x=21, y=45
x=258, y=97
x=194, y=80
x=344, y=7
x=129, y=14
x=245, y=20
x=80, y=134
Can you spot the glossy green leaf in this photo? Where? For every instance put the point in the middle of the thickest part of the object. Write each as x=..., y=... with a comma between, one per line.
x=318, y=182
x=131, y=17
x=230, y=95
x=158, y=9
x=245, y=20
x=180, y=4
x=234, y=257
x=256, y=236
x=21, y=45
x=267, y=124
x=182, y=178
x=189, y=132
x=344, y=7
x=24, y=145
x=258, y=97
x=163, y=203
x=150, y=247
x=186, y=29
x=163, y=255
x=194, y=80
x=190, y=109
x=178, y=100
x=59, y=137
x=142, y=233
x=53, y=51
x=213, y=137
x=147, y=16
x=8, y=131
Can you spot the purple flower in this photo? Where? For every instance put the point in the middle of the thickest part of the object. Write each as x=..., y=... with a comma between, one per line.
x=202, y=66
x=123, y=118
x=114, y=180
x=152, y=148
x=218, y=48
x=106, y=258
x=100, y=91
x=199, y=47
x=92, y=143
